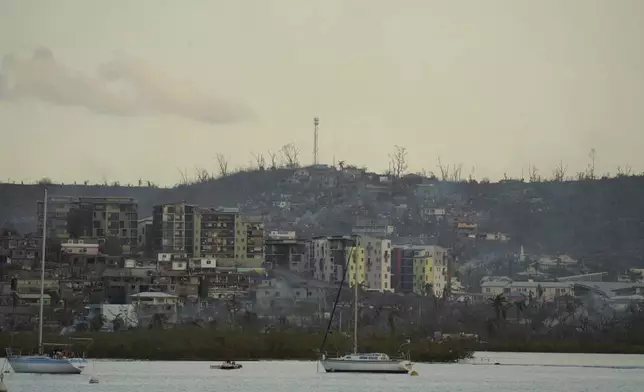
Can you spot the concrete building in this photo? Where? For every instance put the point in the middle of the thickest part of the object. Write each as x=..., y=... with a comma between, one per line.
x=219, y=233
x=91, y=217
x=287, y=252
x=145, y=233
x=423, y=272
x=173, y=227
x=408, y=264
x=330, y=256
x=368, y=254
x=377, y=260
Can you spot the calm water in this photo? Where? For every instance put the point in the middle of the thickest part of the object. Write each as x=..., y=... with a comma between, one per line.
x=516, y=372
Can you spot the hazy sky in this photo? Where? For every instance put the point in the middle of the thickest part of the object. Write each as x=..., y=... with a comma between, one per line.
x=124, y=90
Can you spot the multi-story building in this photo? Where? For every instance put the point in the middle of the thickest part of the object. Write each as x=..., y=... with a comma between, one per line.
x=417, y=266
x=219, y=228
x=287, y=252
x=219, y=233
x=91, y=217
x=254, y=231
x=145, y=232
x=357, y=267
x=370, y=257
x=330, y=256
x=173, y=227
x=377, y=256
x=423, y=272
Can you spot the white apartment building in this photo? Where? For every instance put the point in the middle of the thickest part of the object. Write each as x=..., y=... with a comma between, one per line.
x=330, y=255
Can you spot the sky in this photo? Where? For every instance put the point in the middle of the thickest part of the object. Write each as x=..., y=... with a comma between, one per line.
x=145, y=89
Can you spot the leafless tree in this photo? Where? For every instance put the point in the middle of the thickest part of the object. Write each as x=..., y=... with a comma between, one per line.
x=559, y=174
x=591, y=166
x=398, y=159
x=185, y=179
x=444, y=169
x=624, y=171
x=273, y=157
x=456, y=172
x=290, y=155
x=202, y=175
x=533, y=173
x=260, y=162
x=223, y=165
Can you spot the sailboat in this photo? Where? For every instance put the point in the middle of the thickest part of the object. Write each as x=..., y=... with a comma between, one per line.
x=59, y=361
x=357, y=362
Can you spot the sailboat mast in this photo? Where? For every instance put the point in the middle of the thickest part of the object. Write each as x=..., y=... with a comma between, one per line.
x=42, y=272
x=355, y=313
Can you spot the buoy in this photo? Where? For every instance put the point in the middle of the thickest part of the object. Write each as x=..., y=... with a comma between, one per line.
x=92, y=380
x=413, y=373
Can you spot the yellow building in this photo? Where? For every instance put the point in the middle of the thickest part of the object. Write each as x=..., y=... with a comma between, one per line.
x=356, y=265
x=423, y=272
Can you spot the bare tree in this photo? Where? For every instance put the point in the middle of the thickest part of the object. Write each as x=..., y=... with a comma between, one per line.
x=260, y=162
x=202, y=175
x=559, y=174
x=223, y=165
x=273, y=157
x=444, y=169
x=533, y=173
x=456, y=172
x=591, y=166
x=185, y=179
x=398, y=159
x=290, y=155
x=624, y=171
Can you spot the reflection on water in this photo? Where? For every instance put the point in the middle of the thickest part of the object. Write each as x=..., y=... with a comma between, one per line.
x=515, y=372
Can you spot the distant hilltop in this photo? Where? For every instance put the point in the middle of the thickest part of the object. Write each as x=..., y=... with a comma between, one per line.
x=596, y=220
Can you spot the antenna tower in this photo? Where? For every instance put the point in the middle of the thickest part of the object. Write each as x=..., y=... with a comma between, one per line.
x=316, y=126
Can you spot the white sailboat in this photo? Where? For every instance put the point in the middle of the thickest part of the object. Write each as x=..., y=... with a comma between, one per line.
x=58, y=362
x=364, y=362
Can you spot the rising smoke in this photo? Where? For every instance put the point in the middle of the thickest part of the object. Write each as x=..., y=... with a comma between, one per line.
x=124, y=86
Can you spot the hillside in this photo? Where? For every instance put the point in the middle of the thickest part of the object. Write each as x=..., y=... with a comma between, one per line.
x=599, y=221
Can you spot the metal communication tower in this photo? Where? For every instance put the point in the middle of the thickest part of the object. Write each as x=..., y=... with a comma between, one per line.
x=316, y=125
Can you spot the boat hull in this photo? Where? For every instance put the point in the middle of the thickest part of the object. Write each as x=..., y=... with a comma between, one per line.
x=80, y=363
x=346, y=366
x=43, y=365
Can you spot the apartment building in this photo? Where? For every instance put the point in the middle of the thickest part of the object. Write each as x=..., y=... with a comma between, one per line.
x=368, y=260
x=173, y=227
x=219, y=233
x=287, y=252
x=329, y=257
x=91, y=217
x=377, y=259
x=417, y=266
x=219, y=230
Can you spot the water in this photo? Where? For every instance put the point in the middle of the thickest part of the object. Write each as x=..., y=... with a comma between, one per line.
x=515, y=372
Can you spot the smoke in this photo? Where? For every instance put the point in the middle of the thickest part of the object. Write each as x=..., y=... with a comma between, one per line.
x=124, y=86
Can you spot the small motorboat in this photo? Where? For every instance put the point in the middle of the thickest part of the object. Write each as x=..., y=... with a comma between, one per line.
x=228, y=365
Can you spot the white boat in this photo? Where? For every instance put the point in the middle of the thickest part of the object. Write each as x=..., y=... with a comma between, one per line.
x=57, y=362
x=43, y=364
x=364, y=362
